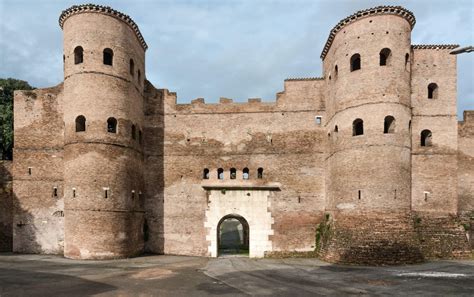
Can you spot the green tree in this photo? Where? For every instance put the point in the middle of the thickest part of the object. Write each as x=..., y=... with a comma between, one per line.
x=7, y=87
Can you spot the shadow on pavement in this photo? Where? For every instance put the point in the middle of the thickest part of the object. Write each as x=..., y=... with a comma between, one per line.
x=17, y=283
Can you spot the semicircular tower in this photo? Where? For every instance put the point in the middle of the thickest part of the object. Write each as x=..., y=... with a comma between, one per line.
x=104, y=63
x=367, y=69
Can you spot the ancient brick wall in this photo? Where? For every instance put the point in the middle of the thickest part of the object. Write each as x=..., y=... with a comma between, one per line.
x=103, y=163
x=434, y=168
x=466, y=163
x=6, y=207
x=370, y=170
x=38, y=205
x=284, y=139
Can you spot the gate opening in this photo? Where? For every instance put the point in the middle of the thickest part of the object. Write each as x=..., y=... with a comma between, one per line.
x=233, y=236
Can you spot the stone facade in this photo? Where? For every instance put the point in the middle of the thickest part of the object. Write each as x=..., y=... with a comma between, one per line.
x=108, y=166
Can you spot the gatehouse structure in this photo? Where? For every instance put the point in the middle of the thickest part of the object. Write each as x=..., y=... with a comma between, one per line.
x=366, y=164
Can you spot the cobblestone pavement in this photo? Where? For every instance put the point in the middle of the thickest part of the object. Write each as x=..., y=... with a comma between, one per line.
x=40, y=275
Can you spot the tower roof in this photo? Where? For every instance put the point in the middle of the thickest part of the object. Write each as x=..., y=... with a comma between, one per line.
x=379, y=10
x=93, y=8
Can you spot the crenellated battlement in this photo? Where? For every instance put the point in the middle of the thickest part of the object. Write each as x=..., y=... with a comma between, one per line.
x=299, y=94
x=434, y=46
x=379, y=10
x=106, y=10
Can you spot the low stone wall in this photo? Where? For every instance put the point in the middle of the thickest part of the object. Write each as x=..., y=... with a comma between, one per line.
x=390, y=239
x=6, y=206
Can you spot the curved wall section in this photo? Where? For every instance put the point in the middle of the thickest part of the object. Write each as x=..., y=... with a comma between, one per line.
x=103, y=164
x=369, y=171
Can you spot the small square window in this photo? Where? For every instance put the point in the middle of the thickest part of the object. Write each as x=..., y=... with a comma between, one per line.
x=318, y=120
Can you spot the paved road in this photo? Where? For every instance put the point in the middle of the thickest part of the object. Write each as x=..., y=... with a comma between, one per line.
x=39, y=275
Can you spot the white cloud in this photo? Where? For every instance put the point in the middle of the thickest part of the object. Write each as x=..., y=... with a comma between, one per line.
x=237, y=49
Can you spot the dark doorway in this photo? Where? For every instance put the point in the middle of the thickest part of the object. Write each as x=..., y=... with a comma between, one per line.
x=233, y=236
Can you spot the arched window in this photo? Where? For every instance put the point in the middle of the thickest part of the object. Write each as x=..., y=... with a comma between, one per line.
x=336, y=129
x=108, y=56
x=134, y=132
x=139, y=76
x=132, y=67
x=246, y=174
x=205, y=173
x=355, y=62
x=233, y=173
x=389, y=125
x=426, y=138
x=357, y=127
x=385, y=55
x=111, y=125
x=260, y=173
x=80, y=124
x=432, y=91
x=220, y=173
x=78, y=55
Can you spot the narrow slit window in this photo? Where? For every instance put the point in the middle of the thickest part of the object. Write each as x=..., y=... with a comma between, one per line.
x=260, y=173
x=112, y=125
x=106, y=193
x=139, y=76
x=134, y=132
x=133, y=194
x=73, y=193
x=132, y=67
x=29, y=170
x=55, y=192
x=336, y=71
x=220, y=173
x=108, y=56
x=233, y=173
x=407, y=59
x=360, y=194
x=140, y=136
x=245, y=173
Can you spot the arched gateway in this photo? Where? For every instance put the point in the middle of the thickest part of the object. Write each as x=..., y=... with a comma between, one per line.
x=238, y=215
x=233, y=236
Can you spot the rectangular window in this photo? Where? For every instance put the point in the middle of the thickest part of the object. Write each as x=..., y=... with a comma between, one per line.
x=29, y=170
x=318, y=120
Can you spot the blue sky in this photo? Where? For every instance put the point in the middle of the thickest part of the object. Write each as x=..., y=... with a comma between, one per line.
x=235, y=49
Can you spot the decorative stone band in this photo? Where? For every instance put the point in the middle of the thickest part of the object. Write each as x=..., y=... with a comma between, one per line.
x=435, y=46
x=379, y=10
x=93, y=8
x=304, y=78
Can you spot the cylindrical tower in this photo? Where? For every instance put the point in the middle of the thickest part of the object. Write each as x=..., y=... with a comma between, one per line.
x=104, y=66
x=367, y=69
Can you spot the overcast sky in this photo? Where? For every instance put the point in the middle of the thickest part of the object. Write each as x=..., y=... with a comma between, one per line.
x=236, y=49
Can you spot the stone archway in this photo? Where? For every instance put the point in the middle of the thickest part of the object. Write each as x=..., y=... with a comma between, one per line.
x=251, y=204
x=233, y=236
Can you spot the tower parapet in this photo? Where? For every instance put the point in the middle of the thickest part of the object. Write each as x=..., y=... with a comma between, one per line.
x=104, y=66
